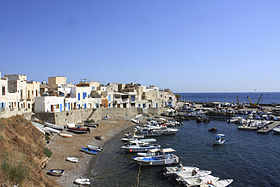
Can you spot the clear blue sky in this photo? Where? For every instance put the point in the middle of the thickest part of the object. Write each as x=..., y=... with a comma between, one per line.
x=184, y=45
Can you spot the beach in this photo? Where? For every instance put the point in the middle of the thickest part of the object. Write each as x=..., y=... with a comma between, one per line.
x=63, y=147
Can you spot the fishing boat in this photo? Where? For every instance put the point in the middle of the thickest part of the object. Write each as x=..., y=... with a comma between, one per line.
x=170, y=171
x=82, y=181
x=93, y=125
x=147, y=132
x=72, y=159
x=89, y=151
x=52, y=130
x=181, y=175
x=65, y=135
x=79, y=130
x=54, y=126
x=212, y=130
x=197, y=181
x=136, y=147
x=165, y=130
x=219, y=183
x=220, y=139
x=164, y=159
x=95, y=148
x=56, y=172
x=276, y=130
x=156, y=152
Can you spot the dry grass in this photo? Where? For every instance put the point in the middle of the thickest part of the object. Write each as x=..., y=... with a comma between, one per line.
x=22, y=154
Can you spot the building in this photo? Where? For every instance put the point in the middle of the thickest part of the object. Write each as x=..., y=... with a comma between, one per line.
x=55, y=82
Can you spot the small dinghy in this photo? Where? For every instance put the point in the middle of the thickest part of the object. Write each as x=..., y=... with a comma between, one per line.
x=65, y=135
x=89, y=151
x=93, y=125
x=219, y=140
x=56, y=172
x=276, y=130
x=72, y=159
x=82, y=181
x=170, y=171
x=212, y=130
x=54, y=126
x=95, y=148
x=219, y=183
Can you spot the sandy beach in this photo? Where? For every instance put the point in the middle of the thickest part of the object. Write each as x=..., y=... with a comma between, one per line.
x=63, y=147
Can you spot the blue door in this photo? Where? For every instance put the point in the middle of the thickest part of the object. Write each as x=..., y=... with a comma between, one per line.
x=85, y=106
x=60, y=107
x=79, y=96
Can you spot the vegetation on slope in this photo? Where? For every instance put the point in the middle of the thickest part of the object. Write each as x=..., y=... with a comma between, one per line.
x=22, y=154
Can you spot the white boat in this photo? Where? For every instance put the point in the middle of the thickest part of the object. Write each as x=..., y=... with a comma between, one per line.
x=169, y=171
x=149, y=140
x=139, y=142
x=135, y=121
x=219, y=183
x=164, y=159
x=156, y=152
x=82, y=181
x=276, y=130
x=220, y=139
x=95, y=148
x=135, y=147
x=52, y=130
x=72, y=159
x=65, y=135
x=197, y=181
x=181, y=175
x=54, y=126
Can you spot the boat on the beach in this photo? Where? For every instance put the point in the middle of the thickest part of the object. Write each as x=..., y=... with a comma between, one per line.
x=56, y=172
x=165, y=159
x=65, y=135
x=220, y=139
x=95, y=148
x=82, y=181
x=135, y=121
x=79, y=130
x=136, y=147
x=89, y=151
x=52, y=130
x=169, y=171
x=54, y=126
x=72, y=159
x=93, y=125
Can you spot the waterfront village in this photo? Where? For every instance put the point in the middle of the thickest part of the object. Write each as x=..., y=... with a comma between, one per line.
x=18, y=95
x=73, y=119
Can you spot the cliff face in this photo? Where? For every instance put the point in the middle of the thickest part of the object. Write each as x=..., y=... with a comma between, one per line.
x=22, y=154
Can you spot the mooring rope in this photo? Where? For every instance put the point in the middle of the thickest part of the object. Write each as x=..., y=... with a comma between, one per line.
x=138, y=175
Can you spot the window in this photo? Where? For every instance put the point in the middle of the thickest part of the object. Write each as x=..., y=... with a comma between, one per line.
x=3, y=90
x=79, y=96
x=36, y=93
x=57, y=106
x=84, y=95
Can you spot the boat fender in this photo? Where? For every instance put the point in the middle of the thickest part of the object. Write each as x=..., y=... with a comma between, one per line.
x=130, y=150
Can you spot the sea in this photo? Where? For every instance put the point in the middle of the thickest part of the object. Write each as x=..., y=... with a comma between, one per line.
x=249, y=158
x=231, y=97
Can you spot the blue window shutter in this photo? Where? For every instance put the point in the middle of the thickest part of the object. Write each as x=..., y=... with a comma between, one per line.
x=79, y=96
x=68, y=106
x=60, y=106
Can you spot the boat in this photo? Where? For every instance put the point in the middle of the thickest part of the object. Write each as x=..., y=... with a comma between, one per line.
x=93, y=125
x=181, y=175
x=212, y=130
x=52, y=130
x=156, y=152
x=164, y=159
x=276, y=130
x=136, y=147
x=220, y=139
x=170, y=171
x=166, y=131
x=219, y=183
x=135, y=121
x=79, y=130
x=54, y=126
x=72, y=159
x=65, y=135
x=89, y=151
x=56, y=172
x=95, y=148
x=82, y=181
x=197, y=181
x=147, y=132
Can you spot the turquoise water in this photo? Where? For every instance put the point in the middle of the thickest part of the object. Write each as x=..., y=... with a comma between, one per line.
x=249, y=158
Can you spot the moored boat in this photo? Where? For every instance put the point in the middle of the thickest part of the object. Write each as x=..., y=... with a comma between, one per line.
x=169, y=171
x=82, y=181
x=136, y=147
x=220, y=139
x=164, y=159
x=219, y=183
x=276, y=130
x=95, y=148
x=65, y=135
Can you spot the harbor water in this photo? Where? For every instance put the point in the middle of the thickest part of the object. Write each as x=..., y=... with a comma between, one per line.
x=249, y=158
x=267, y=97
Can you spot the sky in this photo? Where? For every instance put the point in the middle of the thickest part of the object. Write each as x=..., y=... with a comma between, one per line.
x=184, y=45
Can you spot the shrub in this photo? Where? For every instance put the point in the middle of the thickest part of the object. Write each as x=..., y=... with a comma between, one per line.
x=13, y=168
x=47, y=138
x=47, y=152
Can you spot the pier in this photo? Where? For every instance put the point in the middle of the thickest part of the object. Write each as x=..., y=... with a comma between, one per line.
x=269, y=128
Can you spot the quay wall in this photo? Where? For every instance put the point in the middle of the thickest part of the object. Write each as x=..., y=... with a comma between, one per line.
x=78, y=116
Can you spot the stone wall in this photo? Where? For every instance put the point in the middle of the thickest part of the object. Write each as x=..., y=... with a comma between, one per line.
x=10, y=113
